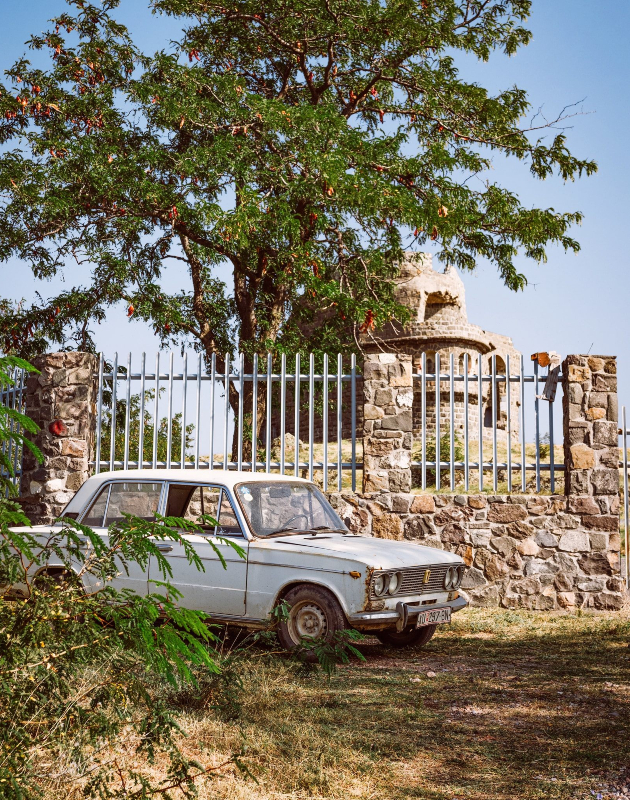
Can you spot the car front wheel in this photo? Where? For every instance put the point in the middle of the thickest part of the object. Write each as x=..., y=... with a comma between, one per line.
x=411, y=637
x=313, y=613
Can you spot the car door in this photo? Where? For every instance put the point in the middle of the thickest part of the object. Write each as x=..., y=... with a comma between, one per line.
x=217, y=590
x=140, y=498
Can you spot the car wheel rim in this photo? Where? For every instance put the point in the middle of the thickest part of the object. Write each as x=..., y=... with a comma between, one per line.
x=307, y=621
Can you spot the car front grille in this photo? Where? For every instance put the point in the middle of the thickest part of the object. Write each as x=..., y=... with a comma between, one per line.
x=413, y=580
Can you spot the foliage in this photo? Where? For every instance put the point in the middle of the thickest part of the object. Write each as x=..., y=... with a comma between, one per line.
x=445, y=453
x=148, y=432
x=13, y=424
x=78, y=670
x=305, y=146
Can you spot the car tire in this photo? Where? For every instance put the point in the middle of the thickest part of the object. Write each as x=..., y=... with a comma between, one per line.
x=313, y=613
x=412, y=637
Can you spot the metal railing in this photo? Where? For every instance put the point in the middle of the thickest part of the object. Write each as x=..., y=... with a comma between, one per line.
x=171, y=437
x=443, y=391
x=12, y=397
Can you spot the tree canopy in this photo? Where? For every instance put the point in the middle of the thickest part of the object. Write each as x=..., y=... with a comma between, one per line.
x=306, y=144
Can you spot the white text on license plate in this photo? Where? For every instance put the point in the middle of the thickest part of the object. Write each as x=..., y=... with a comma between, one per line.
x=435, y=616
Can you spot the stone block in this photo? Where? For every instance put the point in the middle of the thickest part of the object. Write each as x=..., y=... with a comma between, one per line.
x=605, y=432
x=388, y=526
x=372, y=412
x=404, y=399
x=397, y=459
x=506, y=513
x=473, y=578
x=612, y=412
x=74, y=447
x=423, y=504
x=400, y=480
x=582, y=456
x=608, y=602
x=477, y=501
x=576, y=393
x=520, y=530
x=537, y=505
x=504, y=545
x=578, y=482
x=401, y=503
x=601, y=523
x=528, y=547
x=574, y=542
x=577, y=374
x=374, y=371
x=598, y=399
x=604, y=383
x=563, y=583
x=399, y=422
x=605, y=481
x=419, y=528
x=583, y=505
x=376, y=481
x=383, y=397
x=599, y=541
x=595, y=413
x=566, y=599
x=595, y=564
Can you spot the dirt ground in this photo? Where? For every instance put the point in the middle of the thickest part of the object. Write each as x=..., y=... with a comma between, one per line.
x=501, y=704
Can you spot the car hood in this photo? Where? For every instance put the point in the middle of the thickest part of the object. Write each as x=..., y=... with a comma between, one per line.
x=368, y=550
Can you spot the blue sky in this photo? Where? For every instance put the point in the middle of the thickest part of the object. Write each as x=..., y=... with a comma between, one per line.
x=573, y=303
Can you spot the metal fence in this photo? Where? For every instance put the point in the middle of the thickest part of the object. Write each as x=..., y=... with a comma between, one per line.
x=12, y=396
x=504, y=394
x=199, y=416
x=180, y=419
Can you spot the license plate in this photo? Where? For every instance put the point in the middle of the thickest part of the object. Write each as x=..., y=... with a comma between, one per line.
x=434, y=616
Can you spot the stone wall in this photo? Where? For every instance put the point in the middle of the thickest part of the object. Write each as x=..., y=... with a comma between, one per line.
x=62, y=401
x=522, y=551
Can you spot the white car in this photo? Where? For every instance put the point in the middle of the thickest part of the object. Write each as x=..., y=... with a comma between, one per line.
x=297, y=550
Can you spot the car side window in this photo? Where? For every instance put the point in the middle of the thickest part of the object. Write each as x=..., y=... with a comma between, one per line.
x=228, y=521
x=94, y=517
x=139, y=499
x=192, y=502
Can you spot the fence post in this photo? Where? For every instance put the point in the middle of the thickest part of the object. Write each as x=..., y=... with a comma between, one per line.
x=387, y=422
x=62, y=401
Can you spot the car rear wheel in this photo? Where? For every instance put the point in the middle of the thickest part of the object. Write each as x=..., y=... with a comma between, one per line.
x=411, y=637
x=314, y=613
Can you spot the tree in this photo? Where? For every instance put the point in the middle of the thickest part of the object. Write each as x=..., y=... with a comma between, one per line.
x=305, y=144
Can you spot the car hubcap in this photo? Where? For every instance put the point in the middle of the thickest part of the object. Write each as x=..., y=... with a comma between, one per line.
x=307, y=621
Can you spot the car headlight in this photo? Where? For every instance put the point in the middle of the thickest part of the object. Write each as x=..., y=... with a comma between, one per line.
x=395, y=580
x=380, y=585
x=452, y=578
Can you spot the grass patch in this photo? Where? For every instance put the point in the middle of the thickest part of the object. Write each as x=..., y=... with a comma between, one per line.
x=501, y=704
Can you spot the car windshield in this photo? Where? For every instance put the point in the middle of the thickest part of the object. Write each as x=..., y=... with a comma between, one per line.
x=277, y=509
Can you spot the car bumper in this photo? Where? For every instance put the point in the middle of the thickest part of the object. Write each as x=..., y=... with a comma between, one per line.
x=404, y=615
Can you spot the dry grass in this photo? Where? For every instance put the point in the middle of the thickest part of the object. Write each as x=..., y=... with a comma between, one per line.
x=500, y=705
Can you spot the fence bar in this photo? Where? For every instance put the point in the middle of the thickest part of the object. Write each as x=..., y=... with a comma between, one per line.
x=495, y=415
x=626, y=538
x=339, y=420
x=241, y=403
x=18, y=476
x=182, y=459
x=255, y=413
x=508, y=396
x=298, y=380
x=452, y=430
x=99, y=414
x=268, y=409
x=311, y=414
x=213, y=377
x=143, y=365
x=283, y=408
x=537, y=418
x=227, y=411
x=523, y=475
x=466, y=456
x=198, y=413
x=480, y=407
x=156, y=405
x=325, y=423
x=127, y=415
x=552, y=460
x=353, y=405
x=438, y=454
x=169, y=422
x=423, y=384
x=112, y=445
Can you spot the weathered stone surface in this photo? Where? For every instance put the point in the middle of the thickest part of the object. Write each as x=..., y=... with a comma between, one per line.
x=566, y=599
x=528, y=547
x=419, y=527
x=537, y=505
x=596, y=413
x=388, y=526
x=506, y=513
x=574, y=542
x=582, y=456
x=601, y=523
x=605, y=481
x=605, y=432
x=578, y=373
x=608, y=602
x=595, y=564
x=520, y=530
x=583, y=505
x=423, y=504
x=477, y=501
x=473, y=578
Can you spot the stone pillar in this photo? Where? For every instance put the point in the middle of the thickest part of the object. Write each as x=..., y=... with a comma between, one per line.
x=62, y=401
x=387, y=422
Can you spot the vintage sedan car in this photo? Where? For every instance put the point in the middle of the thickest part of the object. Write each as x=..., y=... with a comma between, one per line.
x=297, y=550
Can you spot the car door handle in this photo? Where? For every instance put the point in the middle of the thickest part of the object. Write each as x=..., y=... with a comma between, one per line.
x=164, y=548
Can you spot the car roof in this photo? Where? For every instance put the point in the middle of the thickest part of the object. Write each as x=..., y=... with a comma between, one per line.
x=227, y=478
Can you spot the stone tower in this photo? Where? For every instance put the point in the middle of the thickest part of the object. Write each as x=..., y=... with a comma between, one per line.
x=439, y=324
